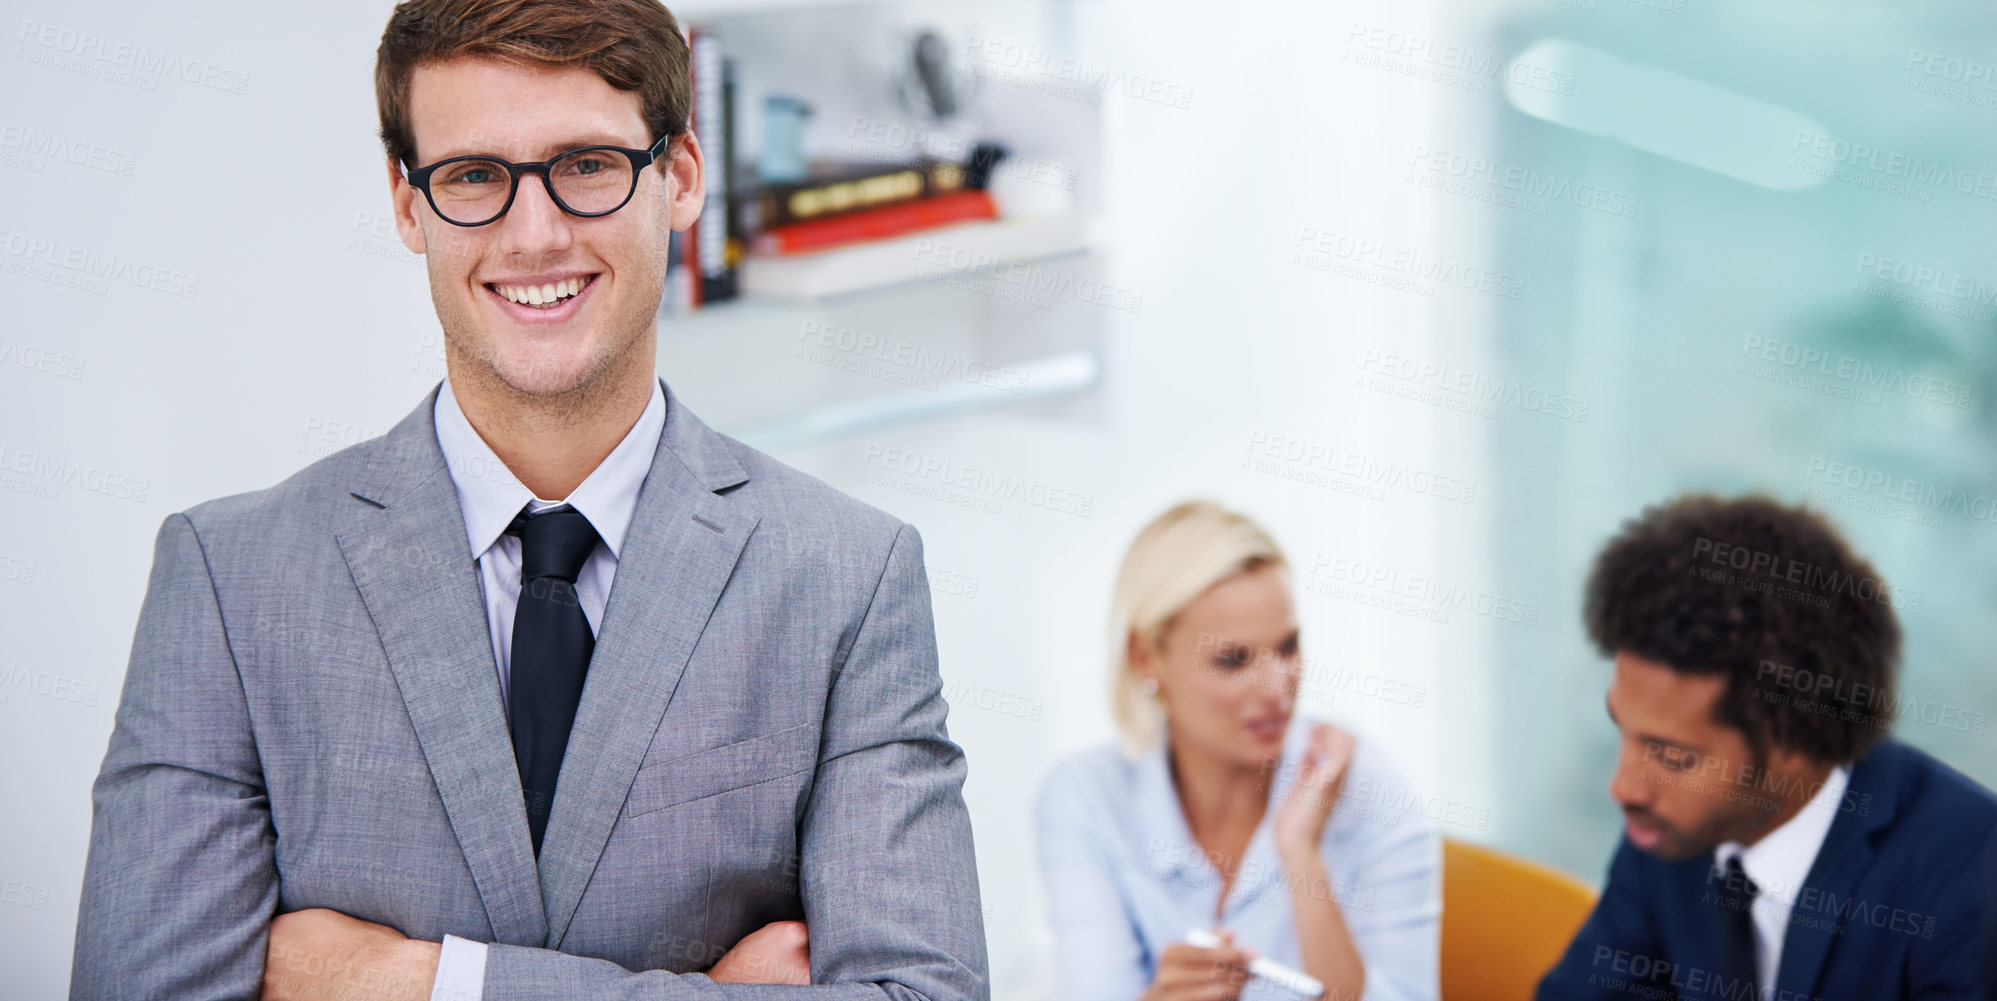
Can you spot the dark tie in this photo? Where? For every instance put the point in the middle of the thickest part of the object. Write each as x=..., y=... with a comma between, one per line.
x=551, y=647
x=1737, y=932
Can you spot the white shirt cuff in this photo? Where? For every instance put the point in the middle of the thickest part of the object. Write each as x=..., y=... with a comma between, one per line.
x=460, y=971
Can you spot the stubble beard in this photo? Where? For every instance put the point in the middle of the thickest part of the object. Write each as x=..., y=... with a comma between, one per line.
x=477, y=363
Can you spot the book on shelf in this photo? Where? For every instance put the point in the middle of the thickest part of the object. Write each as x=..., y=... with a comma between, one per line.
x=876, y=224
x=713, y=248
x=835, y=188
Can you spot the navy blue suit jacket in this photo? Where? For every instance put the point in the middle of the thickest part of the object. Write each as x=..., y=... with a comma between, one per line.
x=1894, y=906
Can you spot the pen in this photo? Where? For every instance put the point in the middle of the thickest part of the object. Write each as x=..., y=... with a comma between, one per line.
x=1261, y=966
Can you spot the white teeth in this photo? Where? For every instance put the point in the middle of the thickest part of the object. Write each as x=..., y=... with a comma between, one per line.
x=541, y=295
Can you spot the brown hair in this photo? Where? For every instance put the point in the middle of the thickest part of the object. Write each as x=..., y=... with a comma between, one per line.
x=631, y=44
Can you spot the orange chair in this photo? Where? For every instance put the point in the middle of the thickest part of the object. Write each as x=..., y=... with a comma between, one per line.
x=1505, y=922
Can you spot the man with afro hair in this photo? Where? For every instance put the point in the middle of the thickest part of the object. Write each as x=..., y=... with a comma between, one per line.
x=1778, y=842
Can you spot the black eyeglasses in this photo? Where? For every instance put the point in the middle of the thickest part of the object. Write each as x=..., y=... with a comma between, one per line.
x=591, y=181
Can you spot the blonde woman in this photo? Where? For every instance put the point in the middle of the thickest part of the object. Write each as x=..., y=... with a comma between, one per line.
x=1217, y=814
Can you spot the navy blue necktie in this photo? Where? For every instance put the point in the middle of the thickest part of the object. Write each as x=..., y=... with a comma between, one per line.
x=551, y=648
x=1737, y=940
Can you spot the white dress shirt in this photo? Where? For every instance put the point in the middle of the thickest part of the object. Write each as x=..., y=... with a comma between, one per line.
x=490, y=496
x=1777, y=865
x=1125, y=878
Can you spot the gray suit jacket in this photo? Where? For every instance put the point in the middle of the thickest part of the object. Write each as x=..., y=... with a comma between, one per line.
x=311, y=718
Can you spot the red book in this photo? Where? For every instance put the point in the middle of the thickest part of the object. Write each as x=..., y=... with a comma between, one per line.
x=877, y=224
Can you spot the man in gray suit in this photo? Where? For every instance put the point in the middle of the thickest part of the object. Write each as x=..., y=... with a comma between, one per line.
x=390, y=731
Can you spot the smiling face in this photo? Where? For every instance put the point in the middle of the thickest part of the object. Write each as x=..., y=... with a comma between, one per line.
x=540, y=302
x=1686, y=783
x=1227, y=669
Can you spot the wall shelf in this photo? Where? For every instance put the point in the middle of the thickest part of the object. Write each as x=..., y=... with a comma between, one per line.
x=979, y=315
x=967, y=249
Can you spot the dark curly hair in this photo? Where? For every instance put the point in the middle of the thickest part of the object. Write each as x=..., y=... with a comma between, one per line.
x=1768, y=597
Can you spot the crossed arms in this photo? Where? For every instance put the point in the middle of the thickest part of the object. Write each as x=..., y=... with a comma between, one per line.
x=181, y=886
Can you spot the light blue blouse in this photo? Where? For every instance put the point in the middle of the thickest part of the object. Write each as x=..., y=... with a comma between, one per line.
x=1125, y=878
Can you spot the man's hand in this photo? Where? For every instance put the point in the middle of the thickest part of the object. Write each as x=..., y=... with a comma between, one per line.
x=777, y=953
x=319, y=953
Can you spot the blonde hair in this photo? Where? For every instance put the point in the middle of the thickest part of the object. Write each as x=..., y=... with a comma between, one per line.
x=1175, y=559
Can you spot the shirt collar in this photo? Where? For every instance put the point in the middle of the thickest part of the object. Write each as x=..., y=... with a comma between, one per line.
x=1156, y=804
x=1781, y=860
x=490, y=495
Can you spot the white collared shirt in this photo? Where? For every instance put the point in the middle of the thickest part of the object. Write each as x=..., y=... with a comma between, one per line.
x=490, y=496
x=1777, y=865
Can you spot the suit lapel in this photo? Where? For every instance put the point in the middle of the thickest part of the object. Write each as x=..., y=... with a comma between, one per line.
x=1846, y=854
x=682, y=546
x=407, y=552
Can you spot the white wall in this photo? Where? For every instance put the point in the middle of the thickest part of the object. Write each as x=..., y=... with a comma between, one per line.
x=292, y=322
x=301, y=325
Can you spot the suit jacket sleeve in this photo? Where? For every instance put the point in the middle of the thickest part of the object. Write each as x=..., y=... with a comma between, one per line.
x=886, y=868
x=1946, y=961
x=180, y=883
x=1990, y=921
x=1615, y=944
